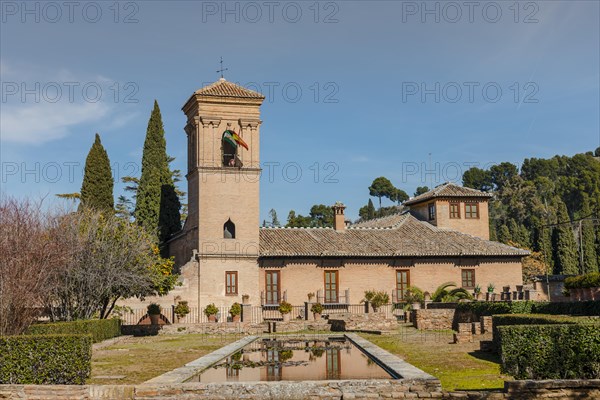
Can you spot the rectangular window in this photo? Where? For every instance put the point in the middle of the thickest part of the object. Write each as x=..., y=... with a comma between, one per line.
x=431, y=209
x=454, y=210
x=402, y=283
x=272, y=287
x=331, y=286
x=471, y=210
x=231, y=282
x=468, y=278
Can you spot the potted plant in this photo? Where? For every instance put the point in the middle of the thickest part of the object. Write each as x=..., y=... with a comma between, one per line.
x=489, y=296
x=154, y=313
x=317, y=309
x=310, y=296
x=181, y=309
x=211, y=312
x=245, y=299
x=477, y=292
x=235, y=311
x=414, y=296
x=376, y=299
x=285, y=309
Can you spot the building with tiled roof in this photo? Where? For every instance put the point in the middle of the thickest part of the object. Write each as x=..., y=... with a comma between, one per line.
x=437, y=237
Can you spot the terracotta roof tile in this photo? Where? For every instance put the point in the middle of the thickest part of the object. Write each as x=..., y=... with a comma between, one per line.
x=447, y=189
x=409, y=238
x=223, y=88
x=389, y=221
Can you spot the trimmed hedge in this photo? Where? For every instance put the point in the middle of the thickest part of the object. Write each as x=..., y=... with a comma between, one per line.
x=481, y=308
x=45, y=359
x=565, y=351
x=100, y=329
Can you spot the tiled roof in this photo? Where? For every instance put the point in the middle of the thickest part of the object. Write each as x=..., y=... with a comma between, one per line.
x=447, y=189
x=409, y=238
x=390, y=221
x=223, y=88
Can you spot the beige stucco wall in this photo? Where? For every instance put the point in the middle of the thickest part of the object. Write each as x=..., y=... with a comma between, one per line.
x=299, y=277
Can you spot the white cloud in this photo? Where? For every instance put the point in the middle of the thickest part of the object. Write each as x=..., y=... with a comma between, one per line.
x=43, y=122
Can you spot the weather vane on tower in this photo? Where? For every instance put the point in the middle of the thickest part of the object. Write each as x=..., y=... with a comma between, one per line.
x=220, y=71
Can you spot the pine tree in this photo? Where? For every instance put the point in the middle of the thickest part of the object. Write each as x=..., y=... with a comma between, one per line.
x=565, y=248
x=157, y=204
x=588, y=241
x=97, y=186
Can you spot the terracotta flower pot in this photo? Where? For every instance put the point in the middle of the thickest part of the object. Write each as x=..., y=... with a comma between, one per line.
x=235, y=318
x=154, y=318
x=317, y=316
x=286, y=317
x=212, y=318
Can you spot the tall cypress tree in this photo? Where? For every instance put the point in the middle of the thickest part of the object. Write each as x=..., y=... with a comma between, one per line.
x=565, y=247
x=97, y=186
x=503, y=234
x=590, y=257
x=157, y=204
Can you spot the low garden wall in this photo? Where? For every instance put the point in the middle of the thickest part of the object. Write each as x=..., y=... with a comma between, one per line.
x=433, y=319
x=362, y=322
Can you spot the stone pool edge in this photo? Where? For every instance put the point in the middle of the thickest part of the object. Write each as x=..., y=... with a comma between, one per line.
x=182, y=374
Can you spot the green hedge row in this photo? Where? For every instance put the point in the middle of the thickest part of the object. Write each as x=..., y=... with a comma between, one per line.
x=480, y=308
x=45, y=359
x=583, y=281
x=566, y=351
x=100, y=329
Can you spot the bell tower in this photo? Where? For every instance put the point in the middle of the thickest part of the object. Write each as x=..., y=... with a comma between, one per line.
x=223, y=173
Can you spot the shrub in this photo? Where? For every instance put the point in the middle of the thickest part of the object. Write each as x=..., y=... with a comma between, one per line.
x=182, y=309
x=153, y=309
x=481, y=308
x=316, y=308
x=285, y=307
x=211, y=309
x=583, y=281
x=100, y=329
x=45, y=359
x=445, y=295
x=566, y=351
x=377, y=298
x=414, y=295
x=236, y=309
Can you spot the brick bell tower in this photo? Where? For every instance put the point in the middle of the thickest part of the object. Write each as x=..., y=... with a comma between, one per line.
x=223, y=173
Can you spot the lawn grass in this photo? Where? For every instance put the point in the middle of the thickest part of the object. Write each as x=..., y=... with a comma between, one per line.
x=138, y=359
x=457, y=366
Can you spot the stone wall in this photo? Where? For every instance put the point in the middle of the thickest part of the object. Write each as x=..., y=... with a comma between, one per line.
x=433, y=319
x=220, y=328
x=327, y=390
x=362, y=322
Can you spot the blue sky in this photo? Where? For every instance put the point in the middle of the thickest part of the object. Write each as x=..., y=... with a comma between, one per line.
x=385, y=88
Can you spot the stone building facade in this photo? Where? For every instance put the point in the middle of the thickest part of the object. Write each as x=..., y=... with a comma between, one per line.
x=223, y=254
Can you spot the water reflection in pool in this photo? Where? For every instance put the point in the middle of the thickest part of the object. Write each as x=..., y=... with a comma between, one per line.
x=294, y=360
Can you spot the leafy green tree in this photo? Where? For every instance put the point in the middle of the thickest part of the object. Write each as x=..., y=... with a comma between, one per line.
x=399, y=196
x=382, y=187
x=367, y=212
x=502, y=173
x=588, y=241
x=97, y=187
x=421, y=190
x=157, y=204
x=565, y=248
x=503, y=234
x=477, y=178
x=597, y=152
x=274, y=219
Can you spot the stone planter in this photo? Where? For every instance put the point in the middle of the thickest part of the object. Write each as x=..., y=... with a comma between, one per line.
x=212, y=318
x=154, y=318
x=478, y=296
x=235, y=318
x=416, y=306
x=245, y=300
x=489, y=296
x=286, y=317
x=317, y=316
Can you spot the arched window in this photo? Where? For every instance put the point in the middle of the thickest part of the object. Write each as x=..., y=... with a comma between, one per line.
x=229, y=230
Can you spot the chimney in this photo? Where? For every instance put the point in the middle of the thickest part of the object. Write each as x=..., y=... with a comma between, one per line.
x=339, y=223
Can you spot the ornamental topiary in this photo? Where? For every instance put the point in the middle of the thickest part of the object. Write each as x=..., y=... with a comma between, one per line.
x=316, y=308
x=182, y=309
x=236, y=309
x=211, y=309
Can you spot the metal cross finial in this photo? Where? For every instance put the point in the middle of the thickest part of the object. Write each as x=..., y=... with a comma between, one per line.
x=222, y=69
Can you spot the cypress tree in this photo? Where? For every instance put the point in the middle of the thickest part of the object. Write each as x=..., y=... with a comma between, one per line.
x=565, y=247
x=97, y=186
x=371, y=211
x=503, y=234
x=590, y=257
x=157, y=204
